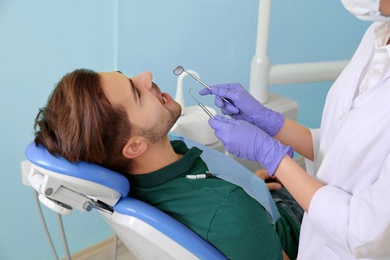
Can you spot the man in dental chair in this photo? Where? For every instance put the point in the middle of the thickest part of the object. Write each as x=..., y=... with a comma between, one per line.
x=122, y=124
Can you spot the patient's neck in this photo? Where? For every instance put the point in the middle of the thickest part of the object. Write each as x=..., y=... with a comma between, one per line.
x=157, y=156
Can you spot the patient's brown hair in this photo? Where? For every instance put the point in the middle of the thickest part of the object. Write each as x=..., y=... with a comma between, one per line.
x=79, y=123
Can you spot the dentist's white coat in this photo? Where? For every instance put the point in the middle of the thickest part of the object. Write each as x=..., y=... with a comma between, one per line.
x=350, y=217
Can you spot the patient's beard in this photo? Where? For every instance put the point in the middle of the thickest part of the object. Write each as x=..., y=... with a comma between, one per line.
x=161, y=128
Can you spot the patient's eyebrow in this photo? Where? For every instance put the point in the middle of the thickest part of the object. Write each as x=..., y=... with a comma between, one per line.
x=133, y=90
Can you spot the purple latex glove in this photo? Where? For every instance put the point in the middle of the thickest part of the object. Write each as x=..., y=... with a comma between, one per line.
x=245, y=140
x=243, y=106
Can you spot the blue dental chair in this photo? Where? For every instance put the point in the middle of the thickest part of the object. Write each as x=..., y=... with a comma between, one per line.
x=146, y=231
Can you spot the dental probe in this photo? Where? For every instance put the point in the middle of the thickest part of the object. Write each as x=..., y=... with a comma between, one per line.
x=179, y=70
x=201, y=105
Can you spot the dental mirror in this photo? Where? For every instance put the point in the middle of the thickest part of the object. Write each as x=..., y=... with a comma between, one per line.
x=179, y=70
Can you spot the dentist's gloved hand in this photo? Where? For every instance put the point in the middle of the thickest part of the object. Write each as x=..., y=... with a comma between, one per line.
x=243, y=106
x=247, y=141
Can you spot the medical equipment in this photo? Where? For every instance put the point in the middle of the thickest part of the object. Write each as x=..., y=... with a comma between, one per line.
x=263, y=73
x=193, y=122
x=179, y=70
x=146, y=231
x=201, y=105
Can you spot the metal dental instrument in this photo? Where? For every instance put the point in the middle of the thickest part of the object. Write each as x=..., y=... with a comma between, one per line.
x=179, y=70
x=201, y=105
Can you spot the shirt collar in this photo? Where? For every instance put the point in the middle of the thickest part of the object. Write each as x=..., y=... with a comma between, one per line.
x=191, y=159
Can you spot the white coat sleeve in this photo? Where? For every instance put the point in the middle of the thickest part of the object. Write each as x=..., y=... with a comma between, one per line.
x=360, y=223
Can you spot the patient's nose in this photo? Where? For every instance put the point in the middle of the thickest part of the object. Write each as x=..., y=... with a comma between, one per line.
x=146, y=79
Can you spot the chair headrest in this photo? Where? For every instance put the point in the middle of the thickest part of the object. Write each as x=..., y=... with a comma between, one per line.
x=40, y=156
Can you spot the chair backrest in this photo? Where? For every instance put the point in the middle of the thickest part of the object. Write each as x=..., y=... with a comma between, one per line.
x=146, y=231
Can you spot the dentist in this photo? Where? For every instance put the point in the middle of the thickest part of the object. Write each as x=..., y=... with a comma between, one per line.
x=346, y=188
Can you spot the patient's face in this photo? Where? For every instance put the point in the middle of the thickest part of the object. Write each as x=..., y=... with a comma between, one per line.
x=149, y=110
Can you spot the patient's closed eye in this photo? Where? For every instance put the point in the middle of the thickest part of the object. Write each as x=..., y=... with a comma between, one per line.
x=138, y=92
x=134, y=89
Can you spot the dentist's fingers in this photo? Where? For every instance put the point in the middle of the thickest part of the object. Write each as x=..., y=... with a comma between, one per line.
x=224, y=119
x=219, y=122
x=226, y=108
x=204, y=92
x=229, y=91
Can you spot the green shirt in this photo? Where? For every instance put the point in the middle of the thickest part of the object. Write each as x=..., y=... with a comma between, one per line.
x=218, y=211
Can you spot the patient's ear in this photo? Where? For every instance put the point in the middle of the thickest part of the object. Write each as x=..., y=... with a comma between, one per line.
x=134, y=147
